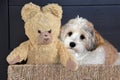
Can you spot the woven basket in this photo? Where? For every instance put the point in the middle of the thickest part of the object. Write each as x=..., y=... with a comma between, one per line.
x=58, y=72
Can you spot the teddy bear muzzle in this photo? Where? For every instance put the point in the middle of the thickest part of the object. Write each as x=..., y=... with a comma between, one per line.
x=45, y=38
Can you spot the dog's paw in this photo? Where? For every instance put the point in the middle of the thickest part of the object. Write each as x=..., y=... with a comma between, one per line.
x=71, y=65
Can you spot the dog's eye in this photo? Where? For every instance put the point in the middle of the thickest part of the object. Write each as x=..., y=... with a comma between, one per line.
x=70, y=33
x=82, y=37
x=39, y=31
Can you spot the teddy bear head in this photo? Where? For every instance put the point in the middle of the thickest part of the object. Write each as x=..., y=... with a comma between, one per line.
x=42, y=25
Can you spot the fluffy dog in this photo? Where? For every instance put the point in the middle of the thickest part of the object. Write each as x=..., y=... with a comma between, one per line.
x=86, y=44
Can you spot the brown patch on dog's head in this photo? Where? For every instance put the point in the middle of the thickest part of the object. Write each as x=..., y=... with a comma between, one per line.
x=96, y=39
x=91, y=42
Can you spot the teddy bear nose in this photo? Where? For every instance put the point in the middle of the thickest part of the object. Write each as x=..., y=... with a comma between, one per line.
x=46, y=35
x=72, y=44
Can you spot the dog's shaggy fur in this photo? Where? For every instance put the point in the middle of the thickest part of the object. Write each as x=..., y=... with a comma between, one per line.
x=86, y=44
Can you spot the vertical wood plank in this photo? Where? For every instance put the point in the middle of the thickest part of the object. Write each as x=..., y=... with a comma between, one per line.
x=3, y=38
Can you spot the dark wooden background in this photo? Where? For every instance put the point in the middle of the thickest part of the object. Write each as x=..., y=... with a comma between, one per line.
x=105, y=14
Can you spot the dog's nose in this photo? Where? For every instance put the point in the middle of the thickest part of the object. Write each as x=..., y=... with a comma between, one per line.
x=72, y=44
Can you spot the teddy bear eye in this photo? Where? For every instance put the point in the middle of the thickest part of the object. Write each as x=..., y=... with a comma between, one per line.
x=39, y=31
x=82, y=37
x=49, y=31
x=69, y=33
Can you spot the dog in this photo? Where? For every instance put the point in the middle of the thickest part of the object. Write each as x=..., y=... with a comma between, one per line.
x=86, y=44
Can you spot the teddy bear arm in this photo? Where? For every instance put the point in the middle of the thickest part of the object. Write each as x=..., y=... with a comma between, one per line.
x=18, y=54
x=66, y=58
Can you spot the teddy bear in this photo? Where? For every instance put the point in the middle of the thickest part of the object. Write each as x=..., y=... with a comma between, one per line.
x=42, y=27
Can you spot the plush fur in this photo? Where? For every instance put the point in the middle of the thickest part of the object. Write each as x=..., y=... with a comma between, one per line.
x=86, y=44
x=42, y=26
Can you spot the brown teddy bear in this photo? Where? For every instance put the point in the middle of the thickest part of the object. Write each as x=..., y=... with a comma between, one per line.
x=42, y=26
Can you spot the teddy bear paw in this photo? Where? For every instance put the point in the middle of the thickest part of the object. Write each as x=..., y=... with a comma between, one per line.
x=72, y=65
x=15, y=60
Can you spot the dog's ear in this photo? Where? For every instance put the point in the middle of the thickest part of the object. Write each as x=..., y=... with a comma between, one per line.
x=94, y=41
x=92, y=45
x=99, y=38
x=96, y=38
x=90, y=27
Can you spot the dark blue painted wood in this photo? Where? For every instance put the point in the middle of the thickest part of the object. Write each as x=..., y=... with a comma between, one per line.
x=113, y=38
x=67, y=2
x=105, y=18
x=17, y=33
x=3, y=38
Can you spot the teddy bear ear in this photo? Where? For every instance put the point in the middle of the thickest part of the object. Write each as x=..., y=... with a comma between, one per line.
x=54, y=9
x=29, y=10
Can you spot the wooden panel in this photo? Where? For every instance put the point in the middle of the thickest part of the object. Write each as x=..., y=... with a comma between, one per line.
x=67, y=2
x=105, y=18
x=3, y=38
x=17, y=33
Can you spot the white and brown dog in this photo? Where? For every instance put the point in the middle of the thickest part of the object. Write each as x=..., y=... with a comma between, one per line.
x=86, y=44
